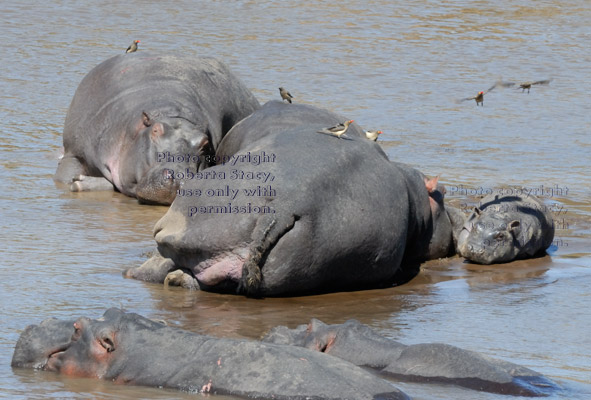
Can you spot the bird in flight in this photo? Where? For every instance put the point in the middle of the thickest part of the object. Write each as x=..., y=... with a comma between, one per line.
x=526, y=85
x=479, y=98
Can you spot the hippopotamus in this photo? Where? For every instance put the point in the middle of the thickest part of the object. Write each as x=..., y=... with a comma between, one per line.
x=288, y=210
x=136, y=115
x=128, y=348
x=506, y=228
x=428, y=362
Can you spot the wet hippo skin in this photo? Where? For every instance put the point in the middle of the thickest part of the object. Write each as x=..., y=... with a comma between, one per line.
x=133, y=111
x=341, y=215
x=128, y=348
x=427, y=362
x=505, y=228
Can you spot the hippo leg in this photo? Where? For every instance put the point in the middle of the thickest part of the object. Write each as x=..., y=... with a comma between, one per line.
x=68, y=168
x=182, y=279
x=83, y=183
x=155, y=270
x=271, y=230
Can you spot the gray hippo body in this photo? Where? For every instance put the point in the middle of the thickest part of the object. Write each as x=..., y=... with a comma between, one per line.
x=330, y=214
x=506, y=228
x=428, y=362
x=133, y=112
x=128, y=348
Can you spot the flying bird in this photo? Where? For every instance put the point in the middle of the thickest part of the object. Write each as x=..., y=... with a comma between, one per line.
x=285, y=95
x=337, y=130
x=132, y=47
x=526, y=85
x=372, y=135
x=480, y=96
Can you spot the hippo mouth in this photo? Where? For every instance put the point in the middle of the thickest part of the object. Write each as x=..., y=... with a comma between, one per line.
x=222, y=271
x=53, y=356
x=227, y=269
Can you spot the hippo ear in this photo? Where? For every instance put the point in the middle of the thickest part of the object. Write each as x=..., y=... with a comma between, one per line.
x=157, y=130
x=477, y=211
x=431, y=184
x=106, y=340
x=146, y=119
x=514, y=227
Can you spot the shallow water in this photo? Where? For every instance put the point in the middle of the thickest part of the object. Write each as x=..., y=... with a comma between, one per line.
x=392, y=66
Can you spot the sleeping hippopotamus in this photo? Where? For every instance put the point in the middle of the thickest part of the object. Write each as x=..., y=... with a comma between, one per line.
x=128, y=348
x=506, y=228
x=294, y=211
x=428, y=362
x=134, y=114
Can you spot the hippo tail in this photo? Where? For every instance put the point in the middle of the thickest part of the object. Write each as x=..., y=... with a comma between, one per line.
x=271, y=230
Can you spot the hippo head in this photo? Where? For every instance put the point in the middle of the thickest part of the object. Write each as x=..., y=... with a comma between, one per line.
x=162, y=152
x=85, y=348
x=488, y=238
x=316, y=335
x=38, y=342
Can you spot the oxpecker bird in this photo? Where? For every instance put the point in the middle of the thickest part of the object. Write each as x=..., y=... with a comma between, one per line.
x=337, y=130
x=526, y=85
x=372, y=135
x=132, y=47
x=480, y=96
x=285, y=95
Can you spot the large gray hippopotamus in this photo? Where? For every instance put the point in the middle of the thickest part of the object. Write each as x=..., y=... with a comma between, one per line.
x=289, y=210
x=427, y=362
x=505, y=228
x=128, y=348
x=134, y=114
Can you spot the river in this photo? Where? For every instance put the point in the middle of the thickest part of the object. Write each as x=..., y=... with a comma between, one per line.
x=390, y=65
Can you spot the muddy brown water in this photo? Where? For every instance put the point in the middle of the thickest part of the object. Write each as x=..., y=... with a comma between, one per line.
x=394, y=66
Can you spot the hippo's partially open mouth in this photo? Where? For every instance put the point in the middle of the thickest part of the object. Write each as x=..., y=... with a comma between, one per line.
x=52, y=359
x=216, y=270
x=222, y=271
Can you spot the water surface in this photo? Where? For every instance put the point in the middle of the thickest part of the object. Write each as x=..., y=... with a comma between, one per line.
x=395, y=66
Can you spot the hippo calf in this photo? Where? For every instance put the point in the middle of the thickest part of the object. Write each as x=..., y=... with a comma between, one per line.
x=506, y=228
x=429, y=362
x=128, y=348
x=135, y=115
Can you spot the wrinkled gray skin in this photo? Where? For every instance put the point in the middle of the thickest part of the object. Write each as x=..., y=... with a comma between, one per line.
x=38, y=342
x=429, y=362
x=128, y=348
x=506, y=228
x=345, y=217
x=133, y=106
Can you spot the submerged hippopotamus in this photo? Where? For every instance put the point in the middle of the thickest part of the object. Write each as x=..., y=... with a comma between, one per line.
x=506, y=228
x=133, y=114
x=128, y=348
x=289, y=211
x=428, y=362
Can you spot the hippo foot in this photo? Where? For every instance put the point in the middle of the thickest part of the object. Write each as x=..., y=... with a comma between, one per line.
x=251, y=278
x=83, y=183
x=154, y=270
x=182, y=279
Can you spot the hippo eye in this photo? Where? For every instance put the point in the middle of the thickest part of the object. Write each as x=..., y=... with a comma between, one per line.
x=498, y=236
